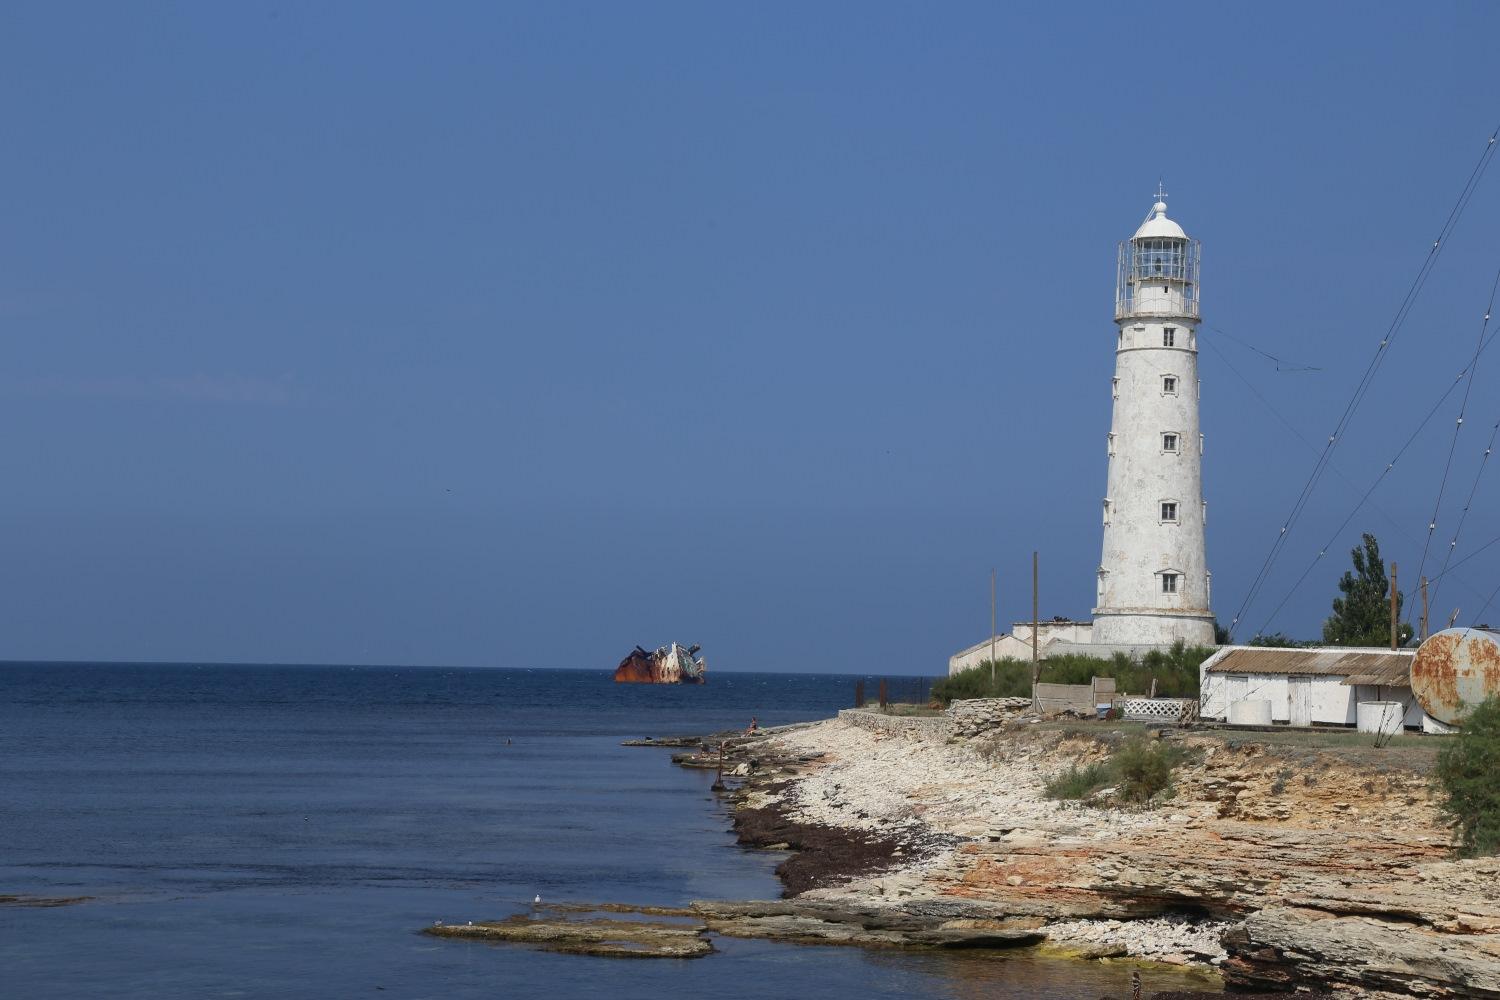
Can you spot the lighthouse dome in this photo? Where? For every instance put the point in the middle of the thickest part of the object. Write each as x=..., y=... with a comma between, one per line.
x=1158, y=226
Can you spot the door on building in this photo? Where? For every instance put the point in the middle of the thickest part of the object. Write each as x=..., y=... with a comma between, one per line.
x=1235, y=689
x=1299, y=690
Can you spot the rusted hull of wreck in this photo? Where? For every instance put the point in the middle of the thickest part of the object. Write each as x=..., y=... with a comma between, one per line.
x=671, y=664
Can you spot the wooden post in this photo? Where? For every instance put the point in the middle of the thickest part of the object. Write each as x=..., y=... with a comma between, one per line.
x=1424, y=609
x=992, y=628
x=882, y=694
x=1036, y=658
x=1393, y=605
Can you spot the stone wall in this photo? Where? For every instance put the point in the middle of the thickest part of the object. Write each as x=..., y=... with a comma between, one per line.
x=976, y=716
x=920, y=727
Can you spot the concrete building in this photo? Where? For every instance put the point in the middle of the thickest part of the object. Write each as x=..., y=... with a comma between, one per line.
x=1017, y=643
x=1153, y=581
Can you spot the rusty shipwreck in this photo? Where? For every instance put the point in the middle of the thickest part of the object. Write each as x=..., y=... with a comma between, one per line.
x=671, y=664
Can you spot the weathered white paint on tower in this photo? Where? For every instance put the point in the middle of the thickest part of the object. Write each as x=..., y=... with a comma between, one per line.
x=1153, y=583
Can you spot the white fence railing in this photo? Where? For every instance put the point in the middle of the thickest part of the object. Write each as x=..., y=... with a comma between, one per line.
x=1161, y=709
x=1170, y=307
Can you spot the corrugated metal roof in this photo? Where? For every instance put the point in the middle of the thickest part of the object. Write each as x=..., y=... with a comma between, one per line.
x=1388, y=668
x=1394, y=672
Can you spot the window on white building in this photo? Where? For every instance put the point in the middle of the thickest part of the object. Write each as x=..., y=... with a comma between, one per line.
x=1169, y=442
x=1169, y=384
x=1111, y=444
x=1169, y=583
x=1106, y=510
x=1169, y=337
x=1114, y=384
x=1168, y=510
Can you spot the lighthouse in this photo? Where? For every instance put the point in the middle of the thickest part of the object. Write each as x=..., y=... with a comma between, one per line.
x=1153, y=585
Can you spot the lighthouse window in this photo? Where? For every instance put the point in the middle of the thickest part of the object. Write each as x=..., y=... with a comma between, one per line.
x=1160, y=258
x=1169, y=384
x=1169, y=442
x=1169, y=337
x=1169, y=583
x=1169, y=512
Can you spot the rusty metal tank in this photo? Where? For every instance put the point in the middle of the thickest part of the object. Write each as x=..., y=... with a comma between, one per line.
x=1456, y=669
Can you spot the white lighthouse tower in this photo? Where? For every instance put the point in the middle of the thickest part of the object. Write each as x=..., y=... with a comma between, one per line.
x=1153, y=578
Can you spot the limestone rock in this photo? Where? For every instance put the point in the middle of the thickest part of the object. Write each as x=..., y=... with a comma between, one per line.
x=1290, y=945
x=604, y=937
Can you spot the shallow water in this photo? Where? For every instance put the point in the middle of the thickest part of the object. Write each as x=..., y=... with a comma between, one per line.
x=286, y=831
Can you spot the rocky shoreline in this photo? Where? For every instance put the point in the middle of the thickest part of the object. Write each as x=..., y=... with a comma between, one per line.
x=1281, y=863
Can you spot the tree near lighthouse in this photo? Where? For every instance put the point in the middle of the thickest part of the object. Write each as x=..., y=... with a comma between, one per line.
x=1362, y=617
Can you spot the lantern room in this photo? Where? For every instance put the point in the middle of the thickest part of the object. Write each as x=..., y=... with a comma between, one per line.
x=1158, y=270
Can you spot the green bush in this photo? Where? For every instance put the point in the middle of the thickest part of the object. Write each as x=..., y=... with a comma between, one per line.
x=1012, y=679
x=1079, y=782
x=1141, y=770
x=1175, y=672
x=1144, y=768
x=1468, y=786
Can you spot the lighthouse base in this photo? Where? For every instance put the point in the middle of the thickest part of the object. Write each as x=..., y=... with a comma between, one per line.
x=1152, y=627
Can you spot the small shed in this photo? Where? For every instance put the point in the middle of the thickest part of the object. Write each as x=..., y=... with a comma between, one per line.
x=1307, y=686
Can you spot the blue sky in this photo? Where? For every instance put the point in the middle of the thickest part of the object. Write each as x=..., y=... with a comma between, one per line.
x=518, y=335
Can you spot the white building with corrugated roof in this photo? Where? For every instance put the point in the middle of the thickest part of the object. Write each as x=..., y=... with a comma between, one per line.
x=1305, y=687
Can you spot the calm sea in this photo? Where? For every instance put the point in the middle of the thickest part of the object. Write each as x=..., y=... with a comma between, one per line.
x=285, y=832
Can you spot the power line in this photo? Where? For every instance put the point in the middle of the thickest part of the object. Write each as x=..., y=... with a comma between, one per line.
x=1292, y=427
x=1340, y=530
x=1378, y=480
x=1453, y=445
x=1465, y=559
x=1484, y=347
x=1486, y=607
x=1360, y=391
x=1290, y=366
x=1336, y=471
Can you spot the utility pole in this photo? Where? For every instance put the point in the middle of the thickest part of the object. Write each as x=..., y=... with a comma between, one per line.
x=1393, y=605
x=1036, y=659
x=1424, y=609
x=992, y=628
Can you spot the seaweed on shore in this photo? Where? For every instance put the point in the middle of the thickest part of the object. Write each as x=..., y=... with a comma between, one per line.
x=825, y=855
